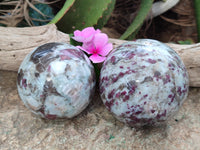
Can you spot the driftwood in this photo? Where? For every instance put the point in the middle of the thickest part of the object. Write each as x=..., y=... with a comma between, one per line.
x=16, y=43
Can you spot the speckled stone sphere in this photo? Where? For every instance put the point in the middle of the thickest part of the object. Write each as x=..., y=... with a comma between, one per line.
x=56, y=80
x=143, y=82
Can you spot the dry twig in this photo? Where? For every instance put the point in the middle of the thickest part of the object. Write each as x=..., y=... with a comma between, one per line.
x=17, y=11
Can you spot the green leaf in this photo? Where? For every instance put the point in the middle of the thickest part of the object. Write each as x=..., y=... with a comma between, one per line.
x=186, y=42
x=111, y=137
x=82, y=14
x=106, y=15
x=63, y=11
x=145, y=7
x=197, y=13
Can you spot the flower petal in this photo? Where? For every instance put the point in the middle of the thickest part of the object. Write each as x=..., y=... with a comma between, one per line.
x=88, y=39
x=86, y=35
x=89, y=47
x=77, y=33
x=100, y=39
x=85, y=50
x=78, y=38
x=106, y=49
x=96, y=58
x=97, y=31
x=90, y=35
x=88, y=31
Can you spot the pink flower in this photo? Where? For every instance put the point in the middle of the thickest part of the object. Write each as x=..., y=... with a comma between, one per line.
x=86, y=35
x=98, y=47
x=94, y=42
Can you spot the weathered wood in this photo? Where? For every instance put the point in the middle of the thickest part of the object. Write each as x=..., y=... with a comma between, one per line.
x=16, y=43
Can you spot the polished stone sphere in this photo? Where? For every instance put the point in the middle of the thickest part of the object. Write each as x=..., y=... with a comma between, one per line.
x=143, y=82
x=56, y=80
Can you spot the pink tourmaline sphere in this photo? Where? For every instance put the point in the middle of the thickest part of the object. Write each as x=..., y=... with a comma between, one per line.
x=143, y=82
x=56, y=80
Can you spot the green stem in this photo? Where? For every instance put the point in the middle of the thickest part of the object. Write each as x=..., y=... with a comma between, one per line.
x=144, y=9
x=97, y=71
x=197, y=13
x=63, y=11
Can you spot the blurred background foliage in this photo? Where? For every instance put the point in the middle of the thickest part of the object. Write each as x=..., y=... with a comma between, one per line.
x=124, y=19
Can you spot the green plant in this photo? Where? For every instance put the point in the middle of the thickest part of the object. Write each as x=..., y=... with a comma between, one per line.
x=106, y=15
x=68, y=4
x=197, y=12
x=189, y=41
x=83, y=13
x=79, y=14
x=132, y=30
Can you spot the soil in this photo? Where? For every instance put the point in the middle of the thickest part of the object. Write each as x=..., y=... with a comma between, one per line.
x=177, y=24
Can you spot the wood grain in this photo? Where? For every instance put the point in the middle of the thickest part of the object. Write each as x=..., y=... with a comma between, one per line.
x=16, y=43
